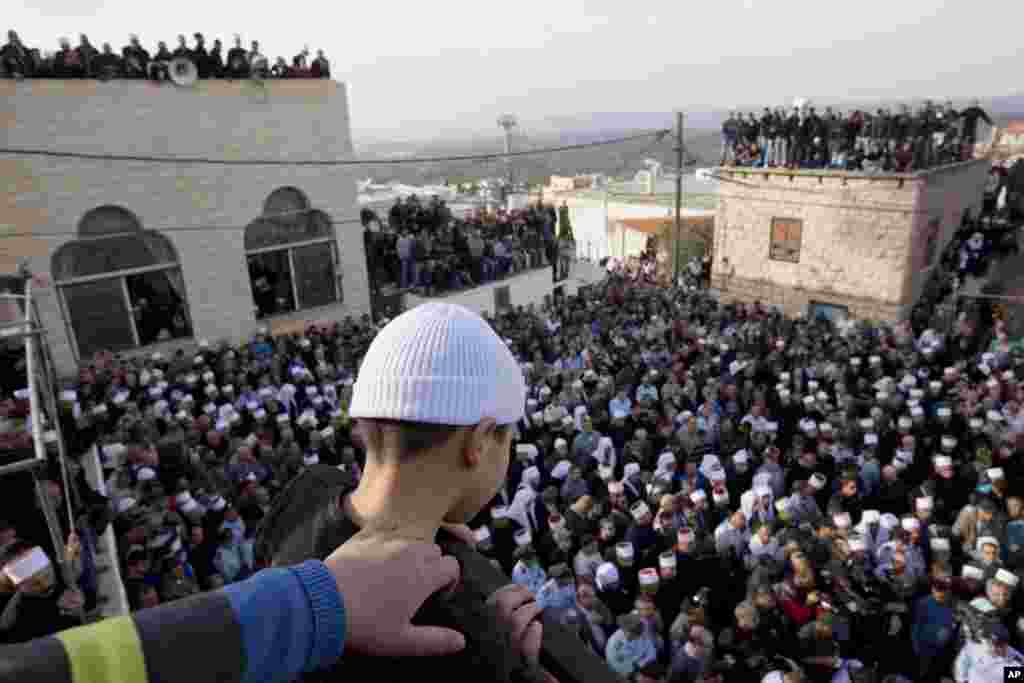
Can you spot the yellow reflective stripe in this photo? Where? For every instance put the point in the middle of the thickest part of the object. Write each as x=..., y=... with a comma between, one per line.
x=109, y=650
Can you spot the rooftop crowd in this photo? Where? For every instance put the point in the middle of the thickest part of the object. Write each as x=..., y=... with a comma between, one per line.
x=18, y=60
x=424, y=247
x=886, y=141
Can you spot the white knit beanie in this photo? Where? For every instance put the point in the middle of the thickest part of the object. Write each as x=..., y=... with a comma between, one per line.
x=440, y=364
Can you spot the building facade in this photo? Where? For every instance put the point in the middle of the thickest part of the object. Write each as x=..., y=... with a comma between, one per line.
x=838, y=243
x=145, y=257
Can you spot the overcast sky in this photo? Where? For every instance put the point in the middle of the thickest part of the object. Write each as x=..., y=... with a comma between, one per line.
x=414, y=68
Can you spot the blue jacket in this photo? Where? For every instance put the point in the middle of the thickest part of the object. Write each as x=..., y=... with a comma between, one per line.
x=269, y=629
x=933, y=627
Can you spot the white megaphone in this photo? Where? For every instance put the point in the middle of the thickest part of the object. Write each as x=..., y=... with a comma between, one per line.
x=183, y=72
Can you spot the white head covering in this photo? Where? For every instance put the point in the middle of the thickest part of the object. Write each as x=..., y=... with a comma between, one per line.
x=607, y=575
x=442, y=364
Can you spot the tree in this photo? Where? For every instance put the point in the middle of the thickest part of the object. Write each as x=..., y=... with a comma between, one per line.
x=564, y=226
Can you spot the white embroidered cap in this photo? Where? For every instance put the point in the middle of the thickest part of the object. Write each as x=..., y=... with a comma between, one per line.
x=971, y=572
x=1007, y=577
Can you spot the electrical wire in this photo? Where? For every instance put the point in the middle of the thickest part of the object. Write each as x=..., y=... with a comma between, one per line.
x=314, y=162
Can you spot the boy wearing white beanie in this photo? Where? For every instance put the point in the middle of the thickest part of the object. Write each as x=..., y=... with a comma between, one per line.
x=436, y=401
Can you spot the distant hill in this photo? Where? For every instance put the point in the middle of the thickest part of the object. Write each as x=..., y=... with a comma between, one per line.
x=702, y=145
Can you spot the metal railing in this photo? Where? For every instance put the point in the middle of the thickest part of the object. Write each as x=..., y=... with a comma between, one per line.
x=40, y=383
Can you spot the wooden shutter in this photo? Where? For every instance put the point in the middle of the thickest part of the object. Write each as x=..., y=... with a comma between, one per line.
x=786, y=238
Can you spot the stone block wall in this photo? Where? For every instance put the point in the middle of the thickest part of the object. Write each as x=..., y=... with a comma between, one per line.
x=202, y=209
x=859, y=236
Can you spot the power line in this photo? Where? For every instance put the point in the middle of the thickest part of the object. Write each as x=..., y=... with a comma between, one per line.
x=314, y=162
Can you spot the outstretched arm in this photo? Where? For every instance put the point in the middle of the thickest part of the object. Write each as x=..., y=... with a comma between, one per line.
x=271, y=627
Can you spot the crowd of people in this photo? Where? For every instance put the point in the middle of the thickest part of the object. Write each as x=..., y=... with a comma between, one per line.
x=885, y=141
x=17, y=60
x=704, y=491
x=423, y=247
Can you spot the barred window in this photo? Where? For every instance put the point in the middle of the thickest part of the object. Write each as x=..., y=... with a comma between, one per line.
x=786, y=239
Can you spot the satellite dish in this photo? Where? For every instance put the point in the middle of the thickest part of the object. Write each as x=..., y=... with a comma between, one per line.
x=183, y=72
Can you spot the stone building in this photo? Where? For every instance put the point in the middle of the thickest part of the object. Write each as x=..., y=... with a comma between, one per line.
x=147, y=257
x=838, y=243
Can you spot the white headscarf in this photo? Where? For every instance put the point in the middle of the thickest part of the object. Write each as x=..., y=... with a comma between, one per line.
x=666, y=466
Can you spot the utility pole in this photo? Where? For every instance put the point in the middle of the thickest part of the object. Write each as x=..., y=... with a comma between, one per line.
x=679, y=190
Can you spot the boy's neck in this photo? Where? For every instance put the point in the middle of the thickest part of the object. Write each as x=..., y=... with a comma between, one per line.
x=400, y=499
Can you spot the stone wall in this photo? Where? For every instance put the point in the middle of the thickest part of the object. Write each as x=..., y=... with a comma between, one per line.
x=203, y=209
x=860, y=235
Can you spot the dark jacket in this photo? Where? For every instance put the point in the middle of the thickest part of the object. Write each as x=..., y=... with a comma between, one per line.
x=308, y=522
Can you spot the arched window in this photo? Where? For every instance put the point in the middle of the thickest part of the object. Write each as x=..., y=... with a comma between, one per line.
x=121, y=286
x=292, y=255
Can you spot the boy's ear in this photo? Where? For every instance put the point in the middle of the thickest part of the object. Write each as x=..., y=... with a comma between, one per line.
x=478, y=439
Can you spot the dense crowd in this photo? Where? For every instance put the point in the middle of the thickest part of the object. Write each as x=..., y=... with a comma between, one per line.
x=425, y=248
x=884, y=141
x=17, y=60
x=706, y=492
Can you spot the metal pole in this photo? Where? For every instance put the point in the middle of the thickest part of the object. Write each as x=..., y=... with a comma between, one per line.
x=679, y=189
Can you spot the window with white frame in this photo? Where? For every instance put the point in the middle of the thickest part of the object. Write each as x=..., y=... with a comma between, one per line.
x=292, y=256
x=120, y=286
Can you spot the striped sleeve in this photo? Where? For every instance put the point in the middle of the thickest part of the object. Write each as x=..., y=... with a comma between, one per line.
x=268, y=628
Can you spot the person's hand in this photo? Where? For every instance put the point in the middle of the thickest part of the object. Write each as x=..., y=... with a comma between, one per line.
x=461, y=532
x=71, y=600
x=73, y=548
x=385, y=579
x=516, y=607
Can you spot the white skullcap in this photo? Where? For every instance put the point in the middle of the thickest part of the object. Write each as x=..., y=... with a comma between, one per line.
x=741, y=457
x=639, y=510
x=910, y=524
x=441, y=364
x=925, y=503
x=870, y=517
x=943, y=461
x=995, y=473
x=561, y=443
x=972, y=572
x=940, y=545
x=561, y=470
x=146, y=474
x=987, y=540
x=871, y=439
x=976, y=423
x=949, y=442
x=1009, y=578
x=527, y=449
x=607, y=574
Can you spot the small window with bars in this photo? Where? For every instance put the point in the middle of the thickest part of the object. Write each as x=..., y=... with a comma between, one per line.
x=786, y=238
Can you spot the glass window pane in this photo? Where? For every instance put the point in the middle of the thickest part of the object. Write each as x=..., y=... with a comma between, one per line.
x=314, y=274
x=110, y=254
x=273, y=232
x=271, y=278
x=158, y=304
x=99, y=317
